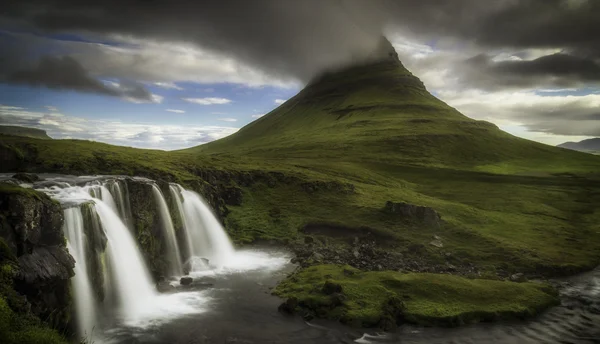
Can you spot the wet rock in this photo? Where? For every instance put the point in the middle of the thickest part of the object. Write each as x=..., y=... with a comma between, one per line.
x=27, y=177
x=205, y=261
x=518, y=277
x=425, y=215
x=337, y=299
x=289, y=306
x=186, y=280
x=31, y=232
x=331, y=288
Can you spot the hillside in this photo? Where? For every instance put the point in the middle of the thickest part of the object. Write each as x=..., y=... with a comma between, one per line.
x=23, y=131
x=589, y=145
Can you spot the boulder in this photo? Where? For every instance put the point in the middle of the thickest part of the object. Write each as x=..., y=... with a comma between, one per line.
x=289, y=306
x=416, y=213
x=186, y=280
x=27, y=177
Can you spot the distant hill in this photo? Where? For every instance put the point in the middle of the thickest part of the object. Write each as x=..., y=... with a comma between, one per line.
x=23, y=131
x=589, y=145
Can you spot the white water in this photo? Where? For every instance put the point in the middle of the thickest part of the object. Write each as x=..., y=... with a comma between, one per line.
x=205, y=235
x=133, y=282
x=173, y=254
x=122, y=199
x=85, y=303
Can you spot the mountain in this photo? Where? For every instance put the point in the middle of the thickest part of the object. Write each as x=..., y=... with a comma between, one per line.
x=23, y=131
x=381, y=113
x=589, y=145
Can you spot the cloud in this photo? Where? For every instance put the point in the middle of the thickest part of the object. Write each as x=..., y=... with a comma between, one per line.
x=175, y=111
x=51, y=108
x=168, y=85
x=227, y=119
x=68, y=74
x=208, y=101
x=258, y=116
x=140, y=135
x=279, y=101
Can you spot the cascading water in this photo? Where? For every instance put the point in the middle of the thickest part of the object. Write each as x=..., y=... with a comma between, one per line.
x=85, y=303
x=122, y=200
x=205, y=235
x=133, y=283
x=174, y=256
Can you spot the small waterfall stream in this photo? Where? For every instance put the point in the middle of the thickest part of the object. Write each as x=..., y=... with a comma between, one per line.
x=174, y=256
x=86, y=309
x=205, y=235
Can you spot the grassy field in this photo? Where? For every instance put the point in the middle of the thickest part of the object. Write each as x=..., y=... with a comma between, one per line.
x=351, y=141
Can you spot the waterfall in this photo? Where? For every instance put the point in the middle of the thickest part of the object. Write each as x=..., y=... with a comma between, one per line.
x=205, y=235
x=132, y=280
x=85, y=303
x=112, y=281
x=173, y=254
x=121, y=196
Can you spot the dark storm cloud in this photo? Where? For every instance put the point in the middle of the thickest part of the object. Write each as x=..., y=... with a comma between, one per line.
x=556, y=70
x=61, y=73
x=67, y=73
x=301, y=38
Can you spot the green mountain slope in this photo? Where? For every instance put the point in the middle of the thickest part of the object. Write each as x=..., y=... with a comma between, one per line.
x=23, y=131
x=381, y=113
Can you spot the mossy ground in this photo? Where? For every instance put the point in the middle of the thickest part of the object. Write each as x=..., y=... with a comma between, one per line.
x=429, y=299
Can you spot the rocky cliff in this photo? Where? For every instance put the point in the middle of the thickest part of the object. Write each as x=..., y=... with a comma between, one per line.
x=35, y=250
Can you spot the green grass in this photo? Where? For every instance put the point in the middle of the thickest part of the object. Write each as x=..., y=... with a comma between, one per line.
x=428, y=299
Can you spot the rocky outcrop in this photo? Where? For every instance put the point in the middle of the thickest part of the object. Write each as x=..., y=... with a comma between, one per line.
x=26, y=177
x=414, y=213
x=147, y=226
x=31, y=228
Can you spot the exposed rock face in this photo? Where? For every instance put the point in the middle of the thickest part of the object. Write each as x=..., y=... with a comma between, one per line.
x=147, y=226
x=425, y=215
x=26, y=177
x=31, y=227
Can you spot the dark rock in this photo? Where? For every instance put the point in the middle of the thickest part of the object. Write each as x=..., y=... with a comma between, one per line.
x=289, y=306
x=31, y=232
x=425, y=215
x=232, y=195
x=186, y=280
x=309, y=240
x=27, y=177
x=331, y=288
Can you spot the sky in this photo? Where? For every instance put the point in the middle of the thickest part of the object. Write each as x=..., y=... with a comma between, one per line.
x=175, y=74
